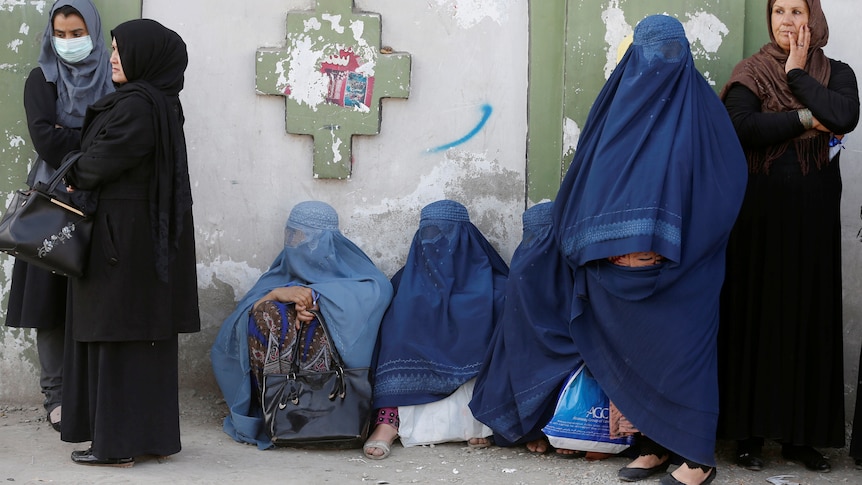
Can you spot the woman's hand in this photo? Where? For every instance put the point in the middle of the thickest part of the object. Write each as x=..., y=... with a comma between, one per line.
x=799, y=43
x=819, y=126
x=300, y=295
x=304, y=315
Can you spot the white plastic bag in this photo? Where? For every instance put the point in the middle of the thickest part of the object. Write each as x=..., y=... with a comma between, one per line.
x=443, y=421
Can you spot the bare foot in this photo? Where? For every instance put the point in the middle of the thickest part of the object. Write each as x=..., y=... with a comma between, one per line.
x=566, y=453
x=690, y=476
x=382, y=432
x=479, y=442
x=540, y=445
x=596, y=456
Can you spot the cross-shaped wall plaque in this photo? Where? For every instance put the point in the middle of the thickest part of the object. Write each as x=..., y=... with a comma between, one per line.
x=333, y=74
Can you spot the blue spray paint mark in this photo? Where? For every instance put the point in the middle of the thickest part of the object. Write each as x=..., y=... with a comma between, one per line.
x=486, y=113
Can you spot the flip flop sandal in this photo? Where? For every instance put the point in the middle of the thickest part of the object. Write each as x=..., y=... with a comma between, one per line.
x=379, y=444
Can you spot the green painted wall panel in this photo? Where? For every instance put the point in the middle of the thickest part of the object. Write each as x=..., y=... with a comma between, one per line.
x=345, y=98
x=545, y=97
x=21, y=27
x=755, y=27
x=720, y=33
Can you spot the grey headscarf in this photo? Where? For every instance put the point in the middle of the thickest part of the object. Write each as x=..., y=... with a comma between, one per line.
x=82, y=83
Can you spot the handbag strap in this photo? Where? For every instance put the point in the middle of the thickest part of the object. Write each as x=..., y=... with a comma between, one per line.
x=340, y=388
x=58, y=176
x=336, y=357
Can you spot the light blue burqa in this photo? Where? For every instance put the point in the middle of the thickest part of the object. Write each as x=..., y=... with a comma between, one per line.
x=353, y=295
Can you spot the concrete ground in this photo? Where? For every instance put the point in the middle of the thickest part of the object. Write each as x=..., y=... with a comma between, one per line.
x=32, y=453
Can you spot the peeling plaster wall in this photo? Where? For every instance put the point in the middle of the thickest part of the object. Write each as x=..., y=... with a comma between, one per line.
x=247, y=172
x=19, y=364
x=845, y=37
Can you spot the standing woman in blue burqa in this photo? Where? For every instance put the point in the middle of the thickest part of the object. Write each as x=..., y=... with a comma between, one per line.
x=74, y=71
x=435, y=334
x=658, y=169
x=317, y=269
x=516, y=397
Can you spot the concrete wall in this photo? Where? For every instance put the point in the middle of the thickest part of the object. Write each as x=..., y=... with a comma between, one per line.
x=247, y=172
x=845, y=38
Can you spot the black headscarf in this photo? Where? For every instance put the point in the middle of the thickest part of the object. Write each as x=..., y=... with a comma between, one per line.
x=154, y=60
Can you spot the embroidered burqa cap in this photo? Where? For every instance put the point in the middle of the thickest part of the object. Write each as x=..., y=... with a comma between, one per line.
x=313, y=214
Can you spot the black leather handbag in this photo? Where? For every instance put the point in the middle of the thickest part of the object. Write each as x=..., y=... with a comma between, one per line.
x=329, y=409
x=43, y=227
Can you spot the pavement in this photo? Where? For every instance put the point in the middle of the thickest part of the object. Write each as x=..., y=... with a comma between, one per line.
x=32, y=453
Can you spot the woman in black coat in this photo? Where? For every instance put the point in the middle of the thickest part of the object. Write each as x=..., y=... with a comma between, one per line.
x=73, y=72
x=139, y=289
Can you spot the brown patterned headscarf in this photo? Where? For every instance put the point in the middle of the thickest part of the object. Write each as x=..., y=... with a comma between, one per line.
x=763, y=74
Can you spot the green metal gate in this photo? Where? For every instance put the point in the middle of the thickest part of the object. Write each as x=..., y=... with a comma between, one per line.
x=574, y=46
x=21, y=27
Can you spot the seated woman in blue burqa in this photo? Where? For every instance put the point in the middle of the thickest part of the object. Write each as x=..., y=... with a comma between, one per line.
x=532, y=352
x=434, y=336
x=318, y=269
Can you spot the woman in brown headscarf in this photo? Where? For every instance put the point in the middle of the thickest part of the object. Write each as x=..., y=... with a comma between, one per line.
x=780, y=339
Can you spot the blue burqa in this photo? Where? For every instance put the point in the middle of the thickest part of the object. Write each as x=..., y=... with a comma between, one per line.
x=658, y=168
x=448, y=297
x=531, y=353
x=353, y=295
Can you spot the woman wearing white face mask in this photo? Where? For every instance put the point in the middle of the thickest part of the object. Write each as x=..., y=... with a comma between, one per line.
x=73, y=72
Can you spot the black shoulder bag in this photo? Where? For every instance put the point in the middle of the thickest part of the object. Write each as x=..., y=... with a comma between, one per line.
x=330, y=409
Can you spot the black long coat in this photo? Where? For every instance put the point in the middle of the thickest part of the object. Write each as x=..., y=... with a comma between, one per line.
x=120, y=297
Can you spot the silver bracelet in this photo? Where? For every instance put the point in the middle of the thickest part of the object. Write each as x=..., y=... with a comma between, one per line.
x=806, y=118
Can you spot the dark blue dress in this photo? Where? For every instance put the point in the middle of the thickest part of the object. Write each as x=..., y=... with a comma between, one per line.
x=532, y=352
x=448, y=298
x=658, y=168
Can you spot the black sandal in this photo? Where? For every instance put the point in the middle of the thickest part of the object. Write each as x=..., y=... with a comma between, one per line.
x=647, y=447
x=711, y=473
x=749, y=453
x=808, y=456
x=55, y=424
